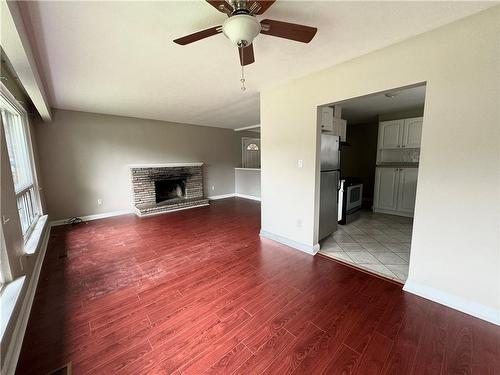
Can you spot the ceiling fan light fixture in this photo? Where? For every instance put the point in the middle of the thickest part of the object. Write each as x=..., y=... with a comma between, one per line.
x=241, y=29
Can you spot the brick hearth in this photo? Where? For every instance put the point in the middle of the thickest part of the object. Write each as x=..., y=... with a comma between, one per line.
x=143, y=185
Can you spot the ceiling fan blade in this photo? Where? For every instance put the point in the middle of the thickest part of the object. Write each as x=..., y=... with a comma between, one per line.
x=221, y=6
x=246, y=55
x=198, y=35
x=293, y=31
x=260, y=6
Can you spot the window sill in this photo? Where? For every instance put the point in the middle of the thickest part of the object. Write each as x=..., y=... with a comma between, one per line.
x=35, y=238
x=8, y=300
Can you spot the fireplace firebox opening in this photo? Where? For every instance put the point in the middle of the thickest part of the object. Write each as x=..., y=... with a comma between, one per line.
x=170, y=189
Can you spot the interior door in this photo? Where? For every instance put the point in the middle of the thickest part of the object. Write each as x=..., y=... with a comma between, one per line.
x=407, y=190
x=250, y=153
x=412, y=133
x=386, y=185
x=390, y=134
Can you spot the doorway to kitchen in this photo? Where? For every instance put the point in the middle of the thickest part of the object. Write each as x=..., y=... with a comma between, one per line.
x=380, y=136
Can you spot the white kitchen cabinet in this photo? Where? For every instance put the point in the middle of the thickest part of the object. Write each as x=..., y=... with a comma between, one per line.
x=340, y=128
x=412, y=132
x=390, y=134
x=395, y=190
x=407, y=190
x=326, y=119
x=331, y=123
x=404, y=133
x=386, y=185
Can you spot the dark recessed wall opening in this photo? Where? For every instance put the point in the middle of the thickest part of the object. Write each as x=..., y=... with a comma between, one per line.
x=170, y=189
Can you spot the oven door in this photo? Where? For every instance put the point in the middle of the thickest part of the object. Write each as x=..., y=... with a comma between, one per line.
x=354, y=197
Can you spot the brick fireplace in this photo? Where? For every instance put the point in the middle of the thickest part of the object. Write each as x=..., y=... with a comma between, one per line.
x=159, y=188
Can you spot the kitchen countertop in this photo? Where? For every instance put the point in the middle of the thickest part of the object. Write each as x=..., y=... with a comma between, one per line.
x=398, y=164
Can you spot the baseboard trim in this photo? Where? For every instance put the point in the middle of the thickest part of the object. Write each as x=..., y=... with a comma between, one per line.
x=166, y=212
x=12, y=355
x=245, y=196
x=233, y=195
x=311, y=250
x=458, y=303
x=105, y=215
x=223, y=196
x=93, y=217
x=389, y=212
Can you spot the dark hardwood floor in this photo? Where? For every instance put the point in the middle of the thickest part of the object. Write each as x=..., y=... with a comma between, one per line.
x=198, y=291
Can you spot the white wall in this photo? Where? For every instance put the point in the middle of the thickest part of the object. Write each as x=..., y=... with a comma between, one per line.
x=455, y=248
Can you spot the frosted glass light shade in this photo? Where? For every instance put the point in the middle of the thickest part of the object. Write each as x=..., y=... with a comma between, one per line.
x=241, y=29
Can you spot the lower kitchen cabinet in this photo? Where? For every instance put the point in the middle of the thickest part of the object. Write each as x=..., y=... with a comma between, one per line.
x=395, y=190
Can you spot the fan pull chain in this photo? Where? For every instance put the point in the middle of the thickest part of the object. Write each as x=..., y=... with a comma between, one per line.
x=242, y=80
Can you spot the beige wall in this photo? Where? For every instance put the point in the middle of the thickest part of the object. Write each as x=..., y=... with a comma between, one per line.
x=84, y=157
x=455, y=247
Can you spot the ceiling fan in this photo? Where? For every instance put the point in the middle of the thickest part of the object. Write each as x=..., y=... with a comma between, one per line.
x=242, y=27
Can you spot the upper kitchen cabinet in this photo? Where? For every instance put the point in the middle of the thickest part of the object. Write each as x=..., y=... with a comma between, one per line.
x=326, y=118
x=412, y=132
x=405, y=133
x=399, y=141
x=390, y=134
x=331, y=121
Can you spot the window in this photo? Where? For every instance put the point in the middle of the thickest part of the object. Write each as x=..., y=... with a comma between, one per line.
x=252, y=147
x=15, y=124
x=4, y=264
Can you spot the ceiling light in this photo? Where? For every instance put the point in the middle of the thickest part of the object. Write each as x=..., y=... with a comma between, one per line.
x=390, y=94
x=241, y=29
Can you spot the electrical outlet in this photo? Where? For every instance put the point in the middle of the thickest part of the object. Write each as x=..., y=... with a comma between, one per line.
x=300, y=163
x=299, y=223
x=213, y=187
x=99, y=201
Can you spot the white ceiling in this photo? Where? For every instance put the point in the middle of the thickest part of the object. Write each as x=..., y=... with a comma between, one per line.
x=366, y=108
x=118, y=57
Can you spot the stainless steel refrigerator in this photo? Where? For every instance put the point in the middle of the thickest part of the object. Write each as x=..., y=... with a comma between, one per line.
x=329, y=183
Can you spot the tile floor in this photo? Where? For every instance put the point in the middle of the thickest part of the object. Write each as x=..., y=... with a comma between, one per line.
x=376, y=242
